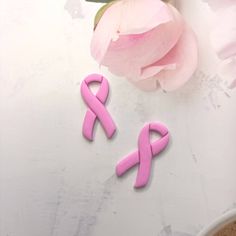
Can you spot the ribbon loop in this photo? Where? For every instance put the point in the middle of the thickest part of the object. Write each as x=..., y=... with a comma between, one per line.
x=96, y=107
x=146, y=151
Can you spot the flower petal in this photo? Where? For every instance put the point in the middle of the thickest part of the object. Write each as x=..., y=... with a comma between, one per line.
x=217, y=4
x=140, y=16
x=127, y=55
x=185, y=55
x=224, y=33
x=148, y=84
x=125, y=17
x=105, y=31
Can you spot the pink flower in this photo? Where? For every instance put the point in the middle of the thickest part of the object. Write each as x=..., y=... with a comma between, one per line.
x=224, y=32
x=223, y=35
x=217, y=4
x=146, y=41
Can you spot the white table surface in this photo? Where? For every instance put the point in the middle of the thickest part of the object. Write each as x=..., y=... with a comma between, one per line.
x=54, y=183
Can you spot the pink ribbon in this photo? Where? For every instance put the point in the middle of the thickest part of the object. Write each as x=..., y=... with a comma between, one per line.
x=96, y=107
x=146, y=151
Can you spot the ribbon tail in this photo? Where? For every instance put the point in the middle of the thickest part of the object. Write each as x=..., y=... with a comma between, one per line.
x=108, y=125
x=127, y=163
x=88, y=125
x=145, y=155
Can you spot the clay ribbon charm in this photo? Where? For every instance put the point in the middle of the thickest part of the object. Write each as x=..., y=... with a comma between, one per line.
x=96, y=107
x=146, y=151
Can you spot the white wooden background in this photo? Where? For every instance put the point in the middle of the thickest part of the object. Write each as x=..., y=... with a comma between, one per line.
x=54, y=183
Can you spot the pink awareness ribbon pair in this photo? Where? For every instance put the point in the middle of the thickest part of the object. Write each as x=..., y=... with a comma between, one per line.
x=146, y=151
x=96, y=107
x=97, y=111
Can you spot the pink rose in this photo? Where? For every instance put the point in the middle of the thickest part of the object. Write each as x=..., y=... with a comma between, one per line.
x=217, y=4
x=223, y=35
x=146, y=41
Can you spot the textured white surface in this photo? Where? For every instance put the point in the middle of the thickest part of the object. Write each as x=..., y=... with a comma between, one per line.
x=54, y=183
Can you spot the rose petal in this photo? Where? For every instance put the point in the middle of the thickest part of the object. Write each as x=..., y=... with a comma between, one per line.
x=155, y=68
x=185, y=55
x=125, y=17
x=127, y=55
x=140, y=16
x=229, y=69
x=105, y=31
x=148, y=84
x=217, y=4
x=224, y=33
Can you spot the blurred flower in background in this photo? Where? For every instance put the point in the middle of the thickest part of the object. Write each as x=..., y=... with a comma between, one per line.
x=146, y=41
x=223, y=34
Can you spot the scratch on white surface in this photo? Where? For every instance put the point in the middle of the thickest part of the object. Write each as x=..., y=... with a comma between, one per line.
x=94, y=205
x=139, y=108
x=194, y=158
x=188, y=141
x=214, y=87
x=60, y=194
x=167, y=231
x=204, y=193
x=161, y=211
x=211, y=88
x=74, y=8
x=80, y=208
x=31, y=71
